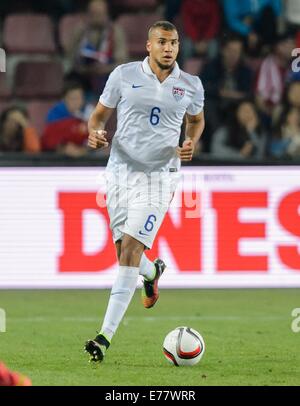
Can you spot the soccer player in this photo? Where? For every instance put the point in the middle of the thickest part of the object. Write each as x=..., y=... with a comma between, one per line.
x=152, y=98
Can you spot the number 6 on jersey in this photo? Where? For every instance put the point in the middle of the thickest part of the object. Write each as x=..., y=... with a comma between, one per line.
x=154, y=118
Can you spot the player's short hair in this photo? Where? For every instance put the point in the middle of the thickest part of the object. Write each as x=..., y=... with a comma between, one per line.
x=164, y=25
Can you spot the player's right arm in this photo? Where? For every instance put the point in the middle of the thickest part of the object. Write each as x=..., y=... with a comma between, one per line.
x=97, y=134
x=108, y=102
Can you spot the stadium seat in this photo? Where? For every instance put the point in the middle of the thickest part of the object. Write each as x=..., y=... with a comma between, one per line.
x=5, y=92
x=38, y=110
x=179, y=24
x=135, y=5
x=67, y=25
x=4, y=105
x=193, y=66
x=28, y=33
x=38, y=80
x=137, y=37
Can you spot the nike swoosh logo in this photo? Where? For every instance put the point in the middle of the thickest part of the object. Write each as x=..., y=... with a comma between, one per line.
x=136, y=87
x=141, y=233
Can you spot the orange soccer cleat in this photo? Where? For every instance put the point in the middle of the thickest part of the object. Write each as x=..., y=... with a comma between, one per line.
x=150, y=292
x=8, y=378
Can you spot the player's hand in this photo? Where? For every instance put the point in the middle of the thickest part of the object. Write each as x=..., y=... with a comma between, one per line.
x=97, y=139
x=186, y=152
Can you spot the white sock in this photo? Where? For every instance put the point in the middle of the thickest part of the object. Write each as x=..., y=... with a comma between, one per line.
x=120, y=297
x=147, y=268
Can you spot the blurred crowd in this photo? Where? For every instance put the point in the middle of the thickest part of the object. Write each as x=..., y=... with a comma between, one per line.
x=60, y=53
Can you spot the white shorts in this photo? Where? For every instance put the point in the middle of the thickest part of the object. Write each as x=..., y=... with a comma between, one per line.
x=138, y=208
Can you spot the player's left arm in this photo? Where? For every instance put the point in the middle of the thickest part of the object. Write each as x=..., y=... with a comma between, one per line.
x=194, y=129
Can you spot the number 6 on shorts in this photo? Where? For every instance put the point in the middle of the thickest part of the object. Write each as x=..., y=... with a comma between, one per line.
x=150, y=223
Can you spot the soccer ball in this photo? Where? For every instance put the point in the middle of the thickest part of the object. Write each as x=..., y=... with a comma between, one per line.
x=184, y=346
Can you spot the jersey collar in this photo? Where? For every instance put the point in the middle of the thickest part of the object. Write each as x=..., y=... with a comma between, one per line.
x=146, y=68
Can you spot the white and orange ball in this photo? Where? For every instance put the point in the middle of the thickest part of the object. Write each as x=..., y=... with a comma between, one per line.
x=184, y=346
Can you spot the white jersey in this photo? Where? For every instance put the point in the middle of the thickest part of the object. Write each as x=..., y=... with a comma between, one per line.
x=150, y=115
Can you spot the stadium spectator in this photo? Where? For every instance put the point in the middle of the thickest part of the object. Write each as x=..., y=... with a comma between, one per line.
x=243, y=136
x=291, y=98
x=256, y=21
x=17, y=133
x=273, y=74
x=172, y=9
x=66, y=130
x=56, y=8
x=97, y=48
x=72, y=105
x=292, y=13
x=286, y=138
x=226, y=80
x=293, y=95
x=201, y=24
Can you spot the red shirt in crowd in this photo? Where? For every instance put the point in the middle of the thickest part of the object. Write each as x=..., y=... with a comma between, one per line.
x=201, y=19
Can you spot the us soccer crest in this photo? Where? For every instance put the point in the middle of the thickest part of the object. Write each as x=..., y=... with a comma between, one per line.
x=178, y=93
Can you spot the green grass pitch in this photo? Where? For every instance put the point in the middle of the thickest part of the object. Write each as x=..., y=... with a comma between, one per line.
x=248, y=337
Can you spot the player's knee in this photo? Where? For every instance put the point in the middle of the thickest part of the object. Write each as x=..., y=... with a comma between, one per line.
x=130, y=255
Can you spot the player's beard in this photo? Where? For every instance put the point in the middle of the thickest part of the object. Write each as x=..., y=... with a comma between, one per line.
x=165, y=67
